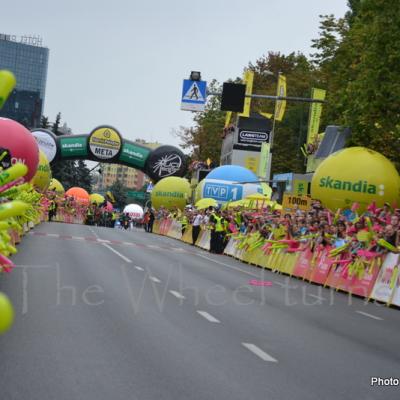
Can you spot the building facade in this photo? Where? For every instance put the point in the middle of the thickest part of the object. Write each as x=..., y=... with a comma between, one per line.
x=131, y=178
x=28, y=60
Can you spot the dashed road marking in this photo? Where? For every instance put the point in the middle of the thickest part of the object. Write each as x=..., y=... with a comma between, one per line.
x=258, y=352
x=126, y=259
x=369, y=315
x=177, y=294
x=96, y=239
x=154, y=279
x=139, y=268
x=208, y=316
x=316, y=297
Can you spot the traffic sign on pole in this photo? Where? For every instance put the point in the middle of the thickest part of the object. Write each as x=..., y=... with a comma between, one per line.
x=194, y=94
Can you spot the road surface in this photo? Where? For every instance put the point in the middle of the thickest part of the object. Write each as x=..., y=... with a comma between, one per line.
x=108, y=314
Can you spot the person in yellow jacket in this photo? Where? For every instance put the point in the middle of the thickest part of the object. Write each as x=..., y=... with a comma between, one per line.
x=184, y=223
x=217, y=232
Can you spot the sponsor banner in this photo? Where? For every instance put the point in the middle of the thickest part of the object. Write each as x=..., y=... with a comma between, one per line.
x=335, y=276
x=73, y=146
x=280, y=105
x=384, y=288
x=252, y=137
x=248, y=81
x=187, y=236
x=315, y=114
x=303, y=263
x=362, y=286
x=300, y=187
x=46, y=143
x=134, y=155
x=322, y=267
x=251, y=163
x=296, y=202
x=396, y=293
x=263, y=163
x=105, y=143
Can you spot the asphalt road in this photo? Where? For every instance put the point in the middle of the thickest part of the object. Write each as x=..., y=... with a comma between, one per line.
x=108, y=314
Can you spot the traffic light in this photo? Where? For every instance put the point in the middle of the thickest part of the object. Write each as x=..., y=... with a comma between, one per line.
x=233, y=95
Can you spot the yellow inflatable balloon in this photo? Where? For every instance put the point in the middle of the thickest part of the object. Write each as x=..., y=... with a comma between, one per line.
x=6, y=313
x=7, y=84
x=56, y=186
x=355, y=175
x=171, y=192
x=42, y=178
x=96, y=198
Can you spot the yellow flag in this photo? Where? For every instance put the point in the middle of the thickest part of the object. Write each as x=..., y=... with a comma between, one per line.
x=248, y=80
x=263, y=163
x=228, y=118
x=315, y=114
x=280, y=105
x=266, y=115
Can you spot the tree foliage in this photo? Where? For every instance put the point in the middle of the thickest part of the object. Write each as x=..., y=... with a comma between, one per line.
x=356, y=59
x=362, y=76
x=119, y=192
x=69, y=172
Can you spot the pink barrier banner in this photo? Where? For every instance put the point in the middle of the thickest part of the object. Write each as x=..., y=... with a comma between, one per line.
x=303, y=263
x=320, y=272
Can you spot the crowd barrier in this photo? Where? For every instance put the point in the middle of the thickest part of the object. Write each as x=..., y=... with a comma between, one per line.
x=69, y=217
x=367, y=275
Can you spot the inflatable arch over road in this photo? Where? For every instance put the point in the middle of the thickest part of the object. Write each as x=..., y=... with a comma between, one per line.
x=105, y=144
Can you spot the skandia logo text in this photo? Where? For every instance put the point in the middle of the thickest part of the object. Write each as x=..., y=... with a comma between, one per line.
x=360, y=186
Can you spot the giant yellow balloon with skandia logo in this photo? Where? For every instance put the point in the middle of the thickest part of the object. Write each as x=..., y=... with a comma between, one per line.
x=42, y=178
x=355, y=175
x=171, y=192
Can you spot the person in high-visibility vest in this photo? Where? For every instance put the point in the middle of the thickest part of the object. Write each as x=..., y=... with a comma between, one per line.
x=52, y=209
x=217, y=232
x=184, y=223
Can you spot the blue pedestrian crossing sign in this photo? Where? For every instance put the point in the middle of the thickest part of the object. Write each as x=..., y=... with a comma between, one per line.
x=194, y=94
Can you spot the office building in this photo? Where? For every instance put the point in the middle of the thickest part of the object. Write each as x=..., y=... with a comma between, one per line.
x=28, y=60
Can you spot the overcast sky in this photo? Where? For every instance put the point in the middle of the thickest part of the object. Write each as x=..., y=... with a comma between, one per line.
x=122, y=62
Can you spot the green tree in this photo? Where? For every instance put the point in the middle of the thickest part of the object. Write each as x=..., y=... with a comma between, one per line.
x=362, y=77
x=44, y=122
x=119, y=192
x=290, y=134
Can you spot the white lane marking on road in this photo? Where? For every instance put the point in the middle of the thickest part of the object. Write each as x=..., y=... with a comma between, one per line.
x=126, y=259
x=369, y=315
x=154, y=279
x=258, y=352
x=316, y=297
x=53, y=235
x=285, y=285
x=94, y=233
x=177, y=294
x=103, y=241
x=227, y=265
x=152, y=246
x=208, y=316
x=78, y=237
x=139, y=268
